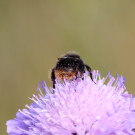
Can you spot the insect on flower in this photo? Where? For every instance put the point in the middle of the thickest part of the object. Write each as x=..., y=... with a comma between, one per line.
x=68, y=67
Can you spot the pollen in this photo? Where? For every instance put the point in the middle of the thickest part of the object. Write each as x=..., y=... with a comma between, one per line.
x=61, y=75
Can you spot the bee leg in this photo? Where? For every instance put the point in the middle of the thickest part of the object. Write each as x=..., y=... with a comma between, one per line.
x=89, y=70
x=76, y=75
x=82, y=77
x=53, y=77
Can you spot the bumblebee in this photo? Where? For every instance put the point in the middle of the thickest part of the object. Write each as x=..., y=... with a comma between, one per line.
x=68, y=67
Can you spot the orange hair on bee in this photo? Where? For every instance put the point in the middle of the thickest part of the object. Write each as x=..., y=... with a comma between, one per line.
x=60, y=74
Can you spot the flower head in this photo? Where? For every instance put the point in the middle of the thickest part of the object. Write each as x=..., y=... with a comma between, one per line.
x=79, y=107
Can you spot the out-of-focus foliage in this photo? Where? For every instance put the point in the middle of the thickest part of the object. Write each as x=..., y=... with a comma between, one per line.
x=33, y=34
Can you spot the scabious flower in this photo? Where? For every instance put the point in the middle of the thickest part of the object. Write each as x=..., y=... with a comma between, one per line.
x=79, y=107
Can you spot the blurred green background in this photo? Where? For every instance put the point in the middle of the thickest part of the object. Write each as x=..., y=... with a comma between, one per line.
x=33, y=34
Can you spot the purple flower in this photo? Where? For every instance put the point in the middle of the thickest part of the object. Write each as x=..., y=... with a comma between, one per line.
x=79, y=107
